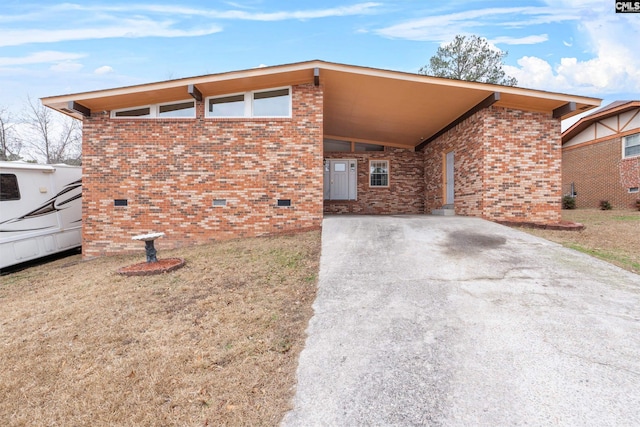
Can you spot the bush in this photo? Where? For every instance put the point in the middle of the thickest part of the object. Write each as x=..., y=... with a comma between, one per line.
x=568, y=202
x=605, y=205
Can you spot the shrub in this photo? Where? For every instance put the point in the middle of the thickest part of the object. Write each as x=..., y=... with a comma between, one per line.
x=568, y=202
x=605, y=205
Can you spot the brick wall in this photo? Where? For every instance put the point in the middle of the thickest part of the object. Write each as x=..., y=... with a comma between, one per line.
x=599, y=173
x=466, y=141
x=507, y=166
x=402, y=196
x=171, y=170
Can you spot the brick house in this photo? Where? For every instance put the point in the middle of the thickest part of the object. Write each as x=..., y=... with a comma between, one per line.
x=272, y=149
x=601, y=156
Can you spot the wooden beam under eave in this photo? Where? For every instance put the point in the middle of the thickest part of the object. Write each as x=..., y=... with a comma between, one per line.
x=487, y=102
x=79, y=108
x=567, y=108
x=194, y=92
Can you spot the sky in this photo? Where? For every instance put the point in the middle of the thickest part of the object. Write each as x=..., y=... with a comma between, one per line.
x=48, y=48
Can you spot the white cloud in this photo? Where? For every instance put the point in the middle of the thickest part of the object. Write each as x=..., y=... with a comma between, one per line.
x=614, y=65
x=143, y=20
x=66, y=67
x=46, y=56
x=105, y=69
x=356, y=9
x=439, y=28
x=127, y=29
x=533, y=39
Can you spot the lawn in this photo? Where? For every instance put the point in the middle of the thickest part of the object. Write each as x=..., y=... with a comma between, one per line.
x=214, y=343
x=612, y=235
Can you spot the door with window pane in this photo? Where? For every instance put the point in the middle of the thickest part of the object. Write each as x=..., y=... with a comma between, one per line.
x=340, y=179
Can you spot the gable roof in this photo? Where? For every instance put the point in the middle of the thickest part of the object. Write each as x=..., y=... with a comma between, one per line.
x=360, y=104
x=615, y=108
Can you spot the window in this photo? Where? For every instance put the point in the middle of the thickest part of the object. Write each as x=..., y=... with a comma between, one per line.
x=135, y=112
x=227, y=106
x=634, y=189
x=360, y=146
x=339, y=146
x=274, y=103
x=334, y=146
x=268, y=103
x=379, y=173
x=9, y=187
x=631, y=145
x=181, y=109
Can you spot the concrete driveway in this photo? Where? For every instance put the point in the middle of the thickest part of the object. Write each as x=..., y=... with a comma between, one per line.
x=456, y=321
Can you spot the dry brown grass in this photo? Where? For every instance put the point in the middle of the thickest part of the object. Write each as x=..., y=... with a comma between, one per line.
x=610, y=235
x=214, y=343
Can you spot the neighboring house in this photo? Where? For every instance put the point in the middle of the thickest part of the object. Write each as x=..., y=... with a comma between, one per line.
x=270, y=150
x=601, y=157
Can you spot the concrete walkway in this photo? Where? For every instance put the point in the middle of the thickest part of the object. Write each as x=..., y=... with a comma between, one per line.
x=456, y=321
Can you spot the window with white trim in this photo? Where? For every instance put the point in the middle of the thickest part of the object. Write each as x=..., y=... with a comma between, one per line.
x=631, y=145
x=379, y=173
x=176, y=109
x=265, y=103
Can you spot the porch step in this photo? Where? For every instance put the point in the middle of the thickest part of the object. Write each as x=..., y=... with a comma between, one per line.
x=445, y=212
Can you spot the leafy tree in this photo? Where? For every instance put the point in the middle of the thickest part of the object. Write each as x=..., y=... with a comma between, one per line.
x=471, y=59
x=10, y=145
x=52, y=136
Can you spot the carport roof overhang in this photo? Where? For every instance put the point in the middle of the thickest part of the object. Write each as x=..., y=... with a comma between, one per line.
x=360, y=104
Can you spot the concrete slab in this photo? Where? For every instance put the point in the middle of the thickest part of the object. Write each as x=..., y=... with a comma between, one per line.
x=426, y=320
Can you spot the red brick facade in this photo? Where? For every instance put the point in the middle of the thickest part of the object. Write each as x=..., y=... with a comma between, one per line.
x=404, y=195
x=507, y=166
x=171, y=170
x=599, y=172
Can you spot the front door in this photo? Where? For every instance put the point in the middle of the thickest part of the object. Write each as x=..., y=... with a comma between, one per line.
x=340, y=179
x=449, y=179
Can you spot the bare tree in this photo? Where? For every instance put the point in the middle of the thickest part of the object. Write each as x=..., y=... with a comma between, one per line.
x=52, y=136
x=10, y=145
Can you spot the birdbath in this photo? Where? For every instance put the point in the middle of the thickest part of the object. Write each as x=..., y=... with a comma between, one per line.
x=149, y=247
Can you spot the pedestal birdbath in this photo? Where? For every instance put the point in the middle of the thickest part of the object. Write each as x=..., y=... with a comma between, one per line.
x=153, y=265
x=149, y=247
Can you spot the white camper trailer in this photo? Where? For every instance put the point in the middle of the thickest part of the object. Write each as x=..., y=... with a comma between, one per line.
x=40, y=210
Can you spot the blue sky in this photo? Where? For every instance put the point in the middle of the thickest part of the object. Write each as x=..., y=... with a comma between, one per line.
x=48, y=48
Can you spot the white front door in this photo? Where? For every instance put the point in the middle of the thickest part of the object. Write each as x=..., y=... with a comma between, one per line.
x=449, y=179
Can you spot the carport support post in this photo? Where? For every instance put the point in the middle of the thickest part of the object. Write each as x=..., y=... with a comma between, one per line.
x=151, y=251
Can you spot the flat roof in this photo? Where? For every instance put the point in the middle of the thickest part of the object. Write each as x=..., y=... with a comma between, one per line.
x=361, y=104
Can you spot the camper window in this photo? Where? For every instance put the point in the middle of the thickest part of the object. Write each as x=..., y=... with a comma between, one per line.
x=9, y=187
